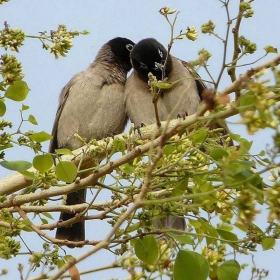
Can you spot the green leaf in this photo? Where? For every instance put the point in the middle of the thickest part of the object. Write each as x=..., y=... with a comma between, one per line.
x=119, y=145
x=218, y=154
x=168, y=149
x=7, y=146
x=133, y=227
x=66, y=171
x=27, y=225
x=24, y=107
x=195, y=223
x=60, y=263
x=127, y=168
x=183, y=239
x=247, y=99
x=2, y=87
x=44, y=221
x=17, y=91
x=163, y=85
x=229, y=270
x=27, y=174
x=199, y=137
x=2, y=108
x=40, y=137
x=64, y=151
x=227, y=235
x=226, y=227
x=48, y=215
x=180, y=187
x=32, y=119
x=43, y=163
x=268, y=243
x=146, y=249
x=16, y=165
x=190, y=266
x=270, y=49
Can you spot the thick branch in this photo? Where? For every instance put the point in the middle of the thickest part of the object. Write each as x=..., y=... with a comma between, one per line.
x=16, y=182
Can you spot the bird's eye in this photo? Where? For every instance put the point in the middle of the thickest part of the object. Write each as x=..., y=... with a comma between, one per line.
x=143, y=65
x=160, y=53
x=129, y=47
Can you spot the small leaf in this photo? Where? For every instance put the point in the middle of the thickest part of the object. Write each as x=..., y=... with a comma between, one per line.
x=66, y=171
x=43, y=163
x=195, y=223
x=163, y=85
x=17, y=91
x=181, y=187
x=40, y=137
x=268, y=243
x=119, y=145
x=218, y=154
x=227, y=235
x=270, y=49
x=183, y=239
x=229, y=270
x=127, y=168
x=27, y=225
x=32, y=119
x=27, y=174
x=2, y=108
x=60, y=263
x=199, y=137
x=7, y=146
x=48, y=215
x=24, y=107
x=146, y=249
x=247, y=99
x=64, y=151
x=169, y=149
x=2, y=87
x=133, y=227
x=16, y=165
x=44, y=221
x=190, y=266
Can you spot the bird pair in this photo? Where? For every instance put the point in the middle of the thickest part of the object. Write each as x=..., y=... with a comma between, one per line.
x=97, y=102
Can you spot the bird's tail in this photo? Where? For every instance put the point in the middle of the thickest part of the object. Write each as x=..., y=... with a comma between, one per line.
x=77, y=231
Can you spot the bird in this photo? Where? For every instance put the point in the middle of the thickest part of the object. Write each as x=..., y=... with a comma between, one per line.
x=183, y=98
x=92, y=105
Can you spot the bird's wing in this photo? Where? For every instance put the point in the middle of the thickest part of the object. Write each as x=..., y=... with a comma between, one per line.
x=201, y=86
x=62, y=100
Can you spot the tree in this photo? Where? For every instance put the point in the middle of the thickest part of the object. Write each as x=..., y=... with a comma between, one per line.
x=181, y=168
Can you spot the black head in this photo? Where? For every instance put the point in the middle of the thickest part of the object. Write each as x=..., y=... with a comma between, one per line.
x=149, y=56
x=121, y=48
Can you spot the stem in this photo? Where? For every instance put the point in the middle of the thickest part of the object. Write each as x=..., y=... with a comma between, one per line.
x=225, y=46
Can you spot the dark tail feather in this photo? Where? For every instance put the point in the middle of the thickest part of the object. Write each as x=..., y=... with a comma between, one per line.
x=76, y=232
x=170, y=222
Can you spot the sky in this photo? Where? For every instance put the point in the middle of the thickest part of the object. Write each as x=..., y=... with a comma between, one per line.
x=135, y=20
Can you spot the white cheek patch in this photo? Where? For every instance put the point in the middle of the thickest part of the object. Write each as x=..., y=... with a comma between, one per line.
x=160, y=53
x=129, y=47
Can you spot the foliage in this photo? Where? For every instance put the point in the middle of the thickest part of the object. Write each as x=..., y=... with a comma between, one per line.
x=181, y=168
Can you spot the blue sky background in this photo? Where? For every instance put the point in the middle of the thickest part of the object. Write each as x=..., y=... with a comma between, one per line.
x=135, y=20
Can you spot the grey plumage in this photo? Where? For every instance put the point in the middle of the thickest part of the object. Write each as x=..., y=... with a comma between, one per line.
x=92, y=105
x=183, y=98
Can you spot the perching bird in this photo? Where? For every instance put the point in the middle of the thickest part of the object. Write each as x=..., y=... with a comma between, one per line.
x=92, y=105
x=181, y=99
